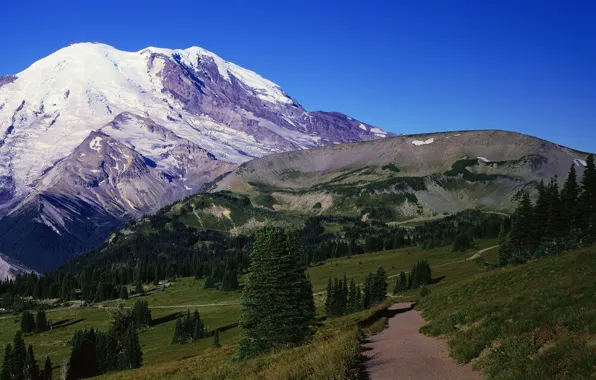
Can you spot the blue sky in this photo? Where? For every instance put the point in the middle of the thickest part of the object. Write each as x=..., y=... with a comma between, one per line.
x=405, y=66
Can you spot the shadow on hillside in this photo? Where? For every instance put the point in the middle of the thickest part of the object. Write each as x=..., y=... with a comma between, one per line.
x=165, y=319
x=65, y=323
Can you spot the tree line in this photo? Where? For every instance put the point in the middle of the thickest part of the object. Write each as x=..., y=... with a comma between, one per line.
x=560, y=219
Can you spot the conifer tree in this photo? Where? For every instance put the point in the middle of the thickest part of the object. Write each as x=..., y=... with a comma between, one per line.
x=141, y=314
x=521, y=236
x=587, y=201
x=19, y=355
x=215, y=343
x=277, y=302
x=554, y=229
x=123, y=293
x=41, y=321
x=133, y=355
x=7, y=364
x=139, y=288
x=353, y=297
x=31, y=368
x=209, y=283
x=27, y=322
x=569, y=200
x=47, y=369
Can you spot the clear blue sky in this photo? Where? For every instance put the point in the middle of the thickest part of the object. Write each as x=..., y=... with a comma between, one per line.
x=405, y=66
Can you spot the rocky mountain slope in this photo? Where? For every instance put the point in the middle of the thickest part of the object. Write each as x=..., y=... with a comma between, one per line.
x=405, y=177
x=90, y=136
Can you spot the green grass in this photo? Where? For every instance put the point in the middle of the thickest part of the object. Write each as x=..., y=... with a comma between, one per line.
x=535, y=321
x=332, y=347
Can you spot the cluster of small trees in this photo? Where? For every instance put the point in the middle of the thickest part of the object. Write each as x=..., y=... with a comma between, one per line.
x=344, y=299
x=419, y=276
x=277, y=302
x=189, y=328
x=20, y=363
x=37, y=324
x=95, y=352
x=559, y=220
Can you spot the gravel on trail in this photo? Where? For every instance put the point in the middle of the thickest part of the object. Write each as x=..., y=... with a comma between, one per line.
x=401, y=352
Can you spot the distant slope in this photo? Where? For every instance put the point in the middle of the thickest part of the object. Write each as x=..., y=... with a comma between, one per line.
x=405, y=176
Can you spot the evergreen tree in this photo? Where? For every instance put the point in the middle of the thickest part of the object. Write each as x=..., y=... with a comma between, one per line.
x=587, y=201
x=540, y=213
x=569, y=200
x=83, y=355
x=47, y=369
x=215, y=343
x=141, y=314
x=41, y=321
x=554, y=228
x=379, y=286
x=139, y=288
x=277, y=302
x=209, y=283
x=123, y=293
x=27, y=322
x=7, y=365
x=19, y=355
x=30, y=369
x=132, y=356
x=521, y=236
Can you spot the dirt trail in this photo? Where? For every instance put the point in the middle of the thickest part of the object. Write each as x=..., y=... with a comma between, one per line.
x=401, y=352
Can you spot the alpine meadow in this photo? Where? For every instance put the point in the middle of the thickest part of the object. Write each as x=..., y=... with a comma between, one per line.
x=166, y=213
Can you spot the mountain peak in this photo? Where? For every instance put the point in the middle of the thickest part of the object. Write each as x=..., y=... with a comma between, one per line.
x=106, y=133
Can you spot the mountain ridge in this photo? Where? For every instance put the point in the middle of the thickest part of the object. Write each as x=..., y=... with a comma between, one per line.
x=103, y=134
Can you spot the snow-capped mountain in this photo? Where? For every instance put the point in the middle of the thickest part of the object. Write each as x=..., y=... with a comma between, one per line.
x=92, y=135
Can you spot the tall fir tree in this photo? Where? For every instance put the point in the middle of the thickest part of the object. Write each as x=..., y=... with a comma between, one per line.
x=7, y=364
x=587, y=202
x=554, y=225
x=569, y=200
x=31, y=368
x=19, y=355
x=133, y=355
x=277, y=302
x=27, y=322
x=215, y=343
x=522, y=234
x=47, y=369
x=41, y=321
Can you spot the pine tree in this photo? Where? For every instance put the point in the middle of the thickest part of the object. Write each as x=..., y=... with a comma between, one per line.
x=569, y=200
x=277, y=302
x=209, y=283
x=47, y=369
x=178, y=332
x=353, y=297
x=123, y=293
x=139, y=288
x=41, y=321
x=215, y=343
x=30, y=369
x=379, y=286
x=587, y=201
x=132, y=356
x=330, y=298
x=7, y=365
x=521, y=236
x=27, y=322
x=554, y=228
x=541, y=210
x=19, y=355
